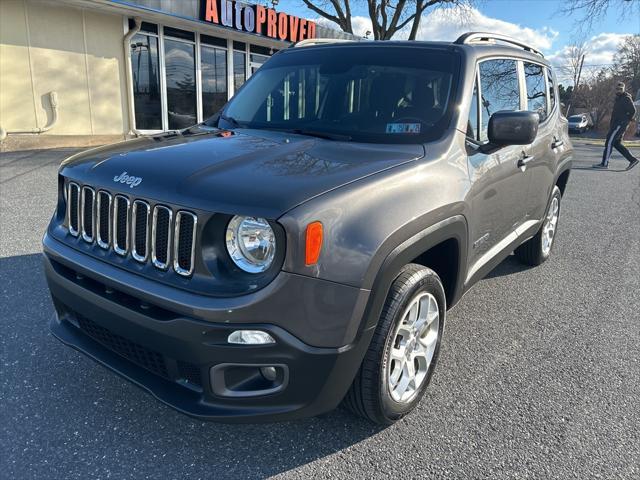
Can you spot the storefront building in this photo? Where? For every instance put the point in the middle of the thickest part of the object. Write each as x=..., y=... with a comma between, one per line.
x=113, y=68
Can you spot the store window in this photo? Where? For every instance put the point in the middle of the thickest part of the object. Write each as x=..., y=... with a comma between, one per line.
x=180, y=77
x=239, y=65
x=213, y=62
x=146, y=82
x=258, y=56
x=180, y=74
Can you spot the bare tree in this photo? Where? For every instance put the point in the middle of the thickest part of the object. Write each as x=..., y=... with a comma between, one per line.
x=571, y=67
x=597, y=97
x=591, y=11
x=627, y=62
x=388, y=17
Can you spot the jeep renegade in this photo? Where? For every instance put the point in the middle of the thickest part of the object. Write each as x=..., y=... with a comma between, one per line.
x=301, y=248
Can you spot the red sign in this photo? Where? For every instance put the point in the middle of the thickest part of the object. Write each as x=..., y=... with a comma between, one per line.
x=258, y=19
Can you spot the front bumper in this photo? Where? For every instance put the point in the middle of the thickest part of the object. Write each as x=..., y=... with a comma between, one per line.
x=171, y=354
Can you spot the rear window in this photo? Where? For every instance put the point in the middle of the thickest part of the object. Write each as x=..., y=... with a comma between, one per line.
x=379, y=95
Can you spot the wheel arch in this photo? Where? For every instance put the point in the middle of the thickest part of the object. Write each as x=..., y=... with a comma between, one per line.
x=433, y=248
x=562, y=180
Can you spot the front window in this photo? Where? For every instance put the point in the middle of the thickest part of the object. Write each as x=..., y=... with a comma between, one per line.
x=500, y=90
x=381, y=95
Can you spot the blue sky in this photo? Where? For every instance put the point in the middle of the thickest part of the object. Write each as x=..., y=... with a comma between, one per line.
x=538, y=22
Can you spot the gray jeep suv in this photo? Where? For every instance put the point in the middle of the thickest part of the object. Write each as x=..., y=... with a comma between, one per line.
x=302, y=247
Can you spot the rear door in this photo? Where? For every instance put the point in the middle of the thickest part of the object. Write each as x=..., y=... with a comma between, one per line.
x=498, y=185
x=541, y=154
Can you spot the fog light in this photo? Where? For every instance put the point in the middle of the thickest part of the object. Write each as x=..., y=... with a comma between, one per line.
x=250, y=337
x=269, y=373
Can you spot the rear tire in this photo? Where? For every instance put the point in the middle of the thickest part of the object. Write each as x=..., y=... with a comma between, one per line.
x=538, y=248
x=404, y=349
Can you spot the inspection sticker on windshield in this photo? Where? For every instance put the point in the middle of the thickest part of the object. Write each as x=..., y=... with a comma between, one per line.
x=403, y=128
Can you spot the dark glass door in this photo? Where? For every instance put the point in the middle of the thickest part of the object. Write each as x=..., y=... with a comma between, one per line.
x=180, y=67
x=146, y=82
x=214, y=79
x=239, y=70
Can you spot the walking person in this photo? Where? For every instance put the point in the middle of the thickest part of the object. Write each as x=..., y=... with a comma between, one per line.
x=622, y=114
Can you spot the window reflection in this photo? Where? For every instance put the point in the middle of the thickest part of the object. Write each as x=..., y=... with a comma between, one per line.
x=536, y=98
x=552, y=89
x=181, y=84
x=214, y=80
x=500, y=89
x=239, y=69
x=146, y=82
x=472, y=125
x=257, y=61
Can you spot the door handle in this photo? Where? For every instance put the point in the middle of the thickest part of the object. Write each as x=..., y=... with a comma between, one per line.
x=525, y=160
x=556, y=143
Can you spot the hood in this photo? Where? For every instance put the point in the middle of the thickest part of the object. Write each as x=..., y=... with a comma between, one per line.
x=250, y=172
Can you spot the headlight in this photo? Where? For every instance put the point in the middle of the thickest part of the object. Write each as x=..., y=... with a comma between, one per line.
x=251, y=243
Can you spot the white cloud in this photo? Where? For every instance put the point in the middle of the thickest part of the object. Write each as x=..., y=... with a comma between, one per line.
x=600, y=51
x=447, y=24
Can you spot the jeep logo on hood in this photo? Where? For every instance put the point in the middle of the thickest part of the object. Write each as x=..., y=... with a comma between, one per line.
x=128, y=179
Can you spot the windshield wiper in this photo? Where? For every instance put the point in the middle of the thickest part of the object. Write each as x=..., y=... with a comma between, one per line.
x=314, y=133
x=231, y=120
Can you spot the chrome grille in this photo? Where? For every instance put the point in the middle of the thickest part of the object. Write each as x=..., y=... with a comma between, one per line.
x=88, y=213
x=185, y=238
x=73, y=209
x=133, y=226
x=140, y=230
x=161, y=236
x=103, y=216
x=121, y=225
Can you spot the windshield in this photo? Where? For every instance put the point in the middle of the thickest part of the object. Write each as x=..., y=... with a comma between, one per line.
x=575, y=118
x=379, y=94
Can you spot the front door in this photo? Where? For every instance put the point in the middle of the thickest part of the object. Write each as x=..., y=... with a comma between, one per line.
x=499, y=185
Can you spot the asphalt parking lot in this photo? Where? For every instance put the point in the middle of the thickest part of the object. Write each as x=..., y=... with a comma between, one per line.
x=539, y=375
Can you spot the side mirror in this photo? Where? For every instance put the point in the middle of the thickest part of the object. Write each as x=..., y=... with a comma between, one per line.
x=513, y=128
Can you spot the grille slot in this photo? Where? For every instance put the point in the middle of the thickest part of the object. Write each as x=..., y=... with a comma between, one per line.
x=73, y=209
x=150, y=233
x=140, y=230
x=103, y=219
x=88, y=213
x=136, y=353
x=149, y=359
x=190, y=373
x=161, y=236
x=121, y=213
x=184, y=243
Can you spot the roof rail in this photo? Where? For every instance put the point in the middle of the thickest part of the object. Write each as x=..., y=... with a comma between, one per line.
x=318, y=41
x=483, y=37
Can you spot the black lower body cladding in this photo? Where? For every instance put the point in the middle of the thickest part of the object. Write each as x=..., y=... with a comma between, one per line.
x=185, y=361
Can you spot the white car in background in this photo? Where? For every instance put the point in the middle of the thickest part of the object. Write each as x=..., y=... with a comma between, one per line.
x=579, y=123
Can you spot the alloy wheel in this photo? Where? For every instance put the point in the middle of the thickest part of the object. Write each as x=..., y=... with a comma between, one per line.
x=549, y=226
x=414, y=344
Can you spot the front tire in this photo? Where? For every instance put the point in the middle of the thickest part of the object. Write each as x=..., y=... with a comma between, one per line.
x=538, y=248
x=404, y=350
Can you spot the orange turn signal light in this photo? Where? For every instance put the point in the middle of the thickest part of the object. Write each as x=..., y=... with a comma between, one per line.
x=313, y=243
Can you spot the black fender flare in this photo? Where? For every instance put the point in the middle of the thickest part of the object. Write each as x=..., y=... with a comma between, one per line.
x=454, y=227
